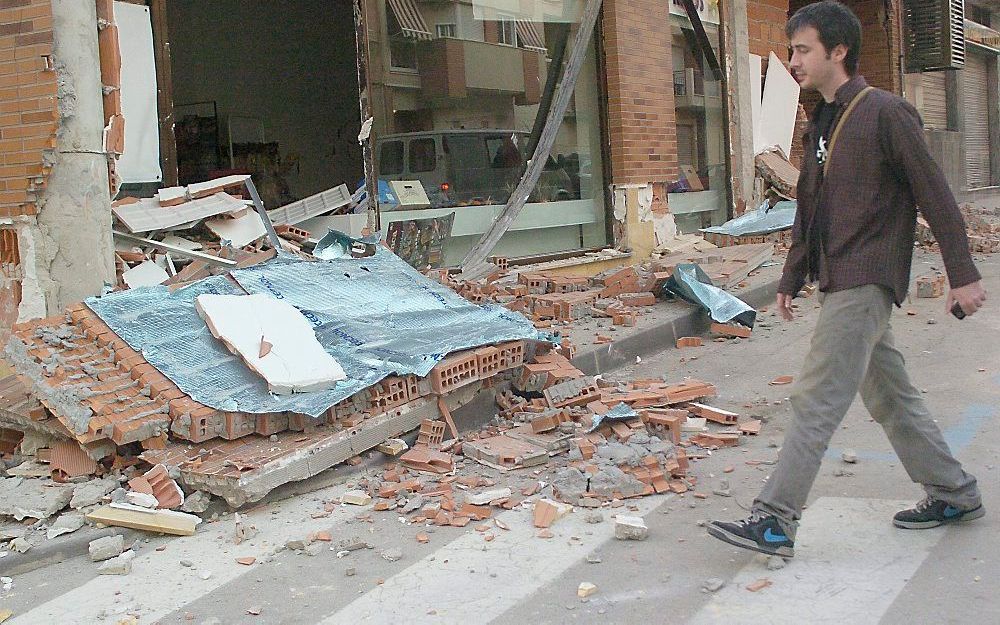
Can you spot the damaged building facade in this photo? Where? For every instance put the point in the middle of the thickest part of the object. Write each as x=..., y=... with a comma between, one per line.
x=124, y=97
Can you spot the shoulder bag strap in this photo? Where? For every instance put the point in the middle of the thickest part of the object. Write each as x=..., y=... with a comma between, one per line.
x=840, y=124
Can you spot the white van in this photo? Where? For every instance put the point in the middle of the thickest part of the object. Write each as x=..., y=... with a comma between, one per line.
x=467, y=167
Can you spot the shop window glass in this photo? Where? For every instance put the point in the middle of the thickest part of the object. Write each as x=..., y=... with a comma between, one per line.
x=476, y=98
x=698, y=197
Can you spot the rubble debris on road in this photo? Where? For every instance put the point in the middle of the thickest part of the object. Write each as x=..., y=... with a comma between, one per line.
x=115, y=430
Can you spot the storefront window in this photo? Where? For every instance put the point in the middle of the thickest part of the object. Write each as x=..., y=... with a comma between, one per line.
x=698, y=196
x=458, y=116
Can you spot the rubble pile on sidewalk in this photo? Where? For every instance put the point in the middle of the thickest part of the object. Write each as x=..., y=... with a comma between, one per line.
x=982, y=225
x=619, y=294
x=579, y=441
x=177, y=235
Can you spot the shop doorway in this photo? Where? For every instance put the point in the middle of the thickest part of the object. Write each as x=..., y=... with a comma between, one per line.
x=269, y=89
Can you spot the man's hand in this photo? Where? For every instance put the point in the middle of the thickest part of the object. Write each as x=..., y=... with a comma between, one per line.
x=784, y=304
x=970, y=297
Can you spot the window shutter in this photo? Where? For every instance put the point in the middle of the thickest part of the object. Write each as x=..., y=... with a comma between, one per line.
x=934, y=34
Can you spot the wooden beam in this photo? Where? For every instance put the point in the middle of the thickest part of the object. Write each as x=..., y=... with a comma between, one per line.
x=164, y=91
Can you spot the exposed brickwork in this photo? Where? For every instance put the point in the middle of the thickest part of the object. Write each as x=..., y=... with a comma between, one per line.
x=766, y=28
x=640, y=91
x=28, y=107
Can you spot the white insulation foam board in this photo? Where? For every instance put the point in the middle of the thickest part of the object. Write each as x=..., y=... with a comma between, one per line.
x=295, y=361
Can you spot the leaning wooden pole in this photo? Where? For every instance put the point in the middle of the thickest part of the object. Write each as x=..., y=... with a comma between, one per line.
x=474, y=263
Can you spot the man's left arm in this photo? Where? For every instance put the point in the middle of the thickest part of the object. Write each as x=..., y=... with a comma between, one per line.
x=902, y=138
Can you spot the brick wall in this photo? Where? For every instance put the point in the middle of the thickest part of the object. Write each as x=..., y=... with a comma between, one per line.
x=766, y=28
x=640, y=91
x=28, y=107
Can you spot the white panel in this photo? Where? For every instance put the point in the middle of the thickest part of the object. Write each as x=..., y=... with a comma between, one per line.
x=756, y=93
x=934, y=100
x=273, y=339
x=141, y=160
x=779, y=106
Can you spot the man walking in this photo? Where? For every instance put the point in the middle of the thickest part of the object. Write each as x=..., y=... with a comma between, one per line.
x=865, y=170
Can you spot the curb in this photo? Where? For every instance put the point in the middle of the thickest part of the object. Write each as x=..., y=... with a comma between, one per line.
x=56, y=550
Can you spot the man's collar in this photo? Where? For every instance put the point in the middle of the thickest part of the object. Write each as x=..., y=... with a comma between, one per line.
x=849, y=89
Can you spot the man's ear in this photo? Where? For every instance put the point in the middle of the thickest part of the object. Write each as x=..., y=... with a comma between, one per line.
x=839, y=53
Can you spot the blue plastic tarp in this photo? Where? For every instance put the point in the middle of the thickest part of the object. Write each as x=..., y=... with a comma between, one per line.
x=690, y=283
x=763, y=220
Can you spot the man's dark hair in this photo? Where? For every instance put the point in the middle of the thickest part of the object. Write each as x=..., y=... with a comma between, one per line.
x=836, y=24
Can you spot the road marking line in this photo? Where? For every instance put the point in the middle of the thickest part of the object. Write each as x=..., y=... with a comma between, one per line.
x=850, y=564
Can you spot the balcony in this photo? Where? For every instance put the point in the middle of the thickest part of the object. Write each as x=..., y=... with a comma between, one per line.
x=692, y=92
x=450, y=67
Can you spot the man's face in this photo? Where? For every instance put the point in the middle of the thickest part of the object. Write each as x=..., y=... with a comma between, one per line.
x=811, y=65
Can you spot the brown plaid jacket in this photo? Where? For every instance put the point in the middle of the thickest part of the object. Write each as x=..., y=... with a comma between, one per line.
x=856, y=225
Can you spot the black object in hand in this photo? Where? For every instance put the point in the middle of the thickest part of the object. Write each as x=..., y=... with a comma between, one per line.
x=957, y=311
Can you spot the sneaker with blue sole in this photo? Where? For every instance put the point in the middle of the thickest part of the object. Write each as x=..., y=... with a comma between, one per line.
x=933, y=513
x=762, y=533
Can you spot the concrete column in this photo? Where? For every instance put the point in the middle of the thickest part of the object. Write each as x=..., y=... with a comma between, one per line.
x=736, y=84
x=73, y=248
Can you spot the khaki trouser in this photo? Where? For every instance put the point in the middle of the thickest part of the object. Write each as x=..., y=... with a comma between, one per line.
x=852, y=350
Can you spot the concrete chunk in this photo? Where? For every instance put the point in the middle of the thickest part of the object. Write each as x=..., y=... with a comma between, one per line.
x=356, y=498
x=106, y=548
x=65, y=524
x=23, y=498
x=483, y=498
x=119, y=565
x=630, y=528
x=90, y=493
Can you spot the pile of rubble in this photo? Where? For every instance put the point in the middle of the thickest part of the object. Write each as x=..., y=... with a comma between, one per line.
x=982, y=225
x=621, y=294
x=187, y=233
x=579, y=441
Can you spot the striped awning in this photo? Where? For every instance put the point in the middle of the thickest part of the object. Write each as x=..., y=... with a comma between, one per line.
x=528, y=35
x=410, y=20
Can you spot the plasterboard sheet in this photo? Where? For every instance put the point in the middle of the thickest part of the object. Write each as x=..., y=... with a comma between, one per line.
x=756, y=93
x=240, y=231
x=145, y=274
x=410, y=324
x=779, y=106
x=273, y=339
x=181, y=242
x=147, y=214
x=300, y=210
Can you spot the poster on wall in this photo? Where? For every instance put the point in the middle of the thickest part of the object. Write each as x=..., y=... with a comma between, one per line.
x=141, y=160
x=420, y=242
